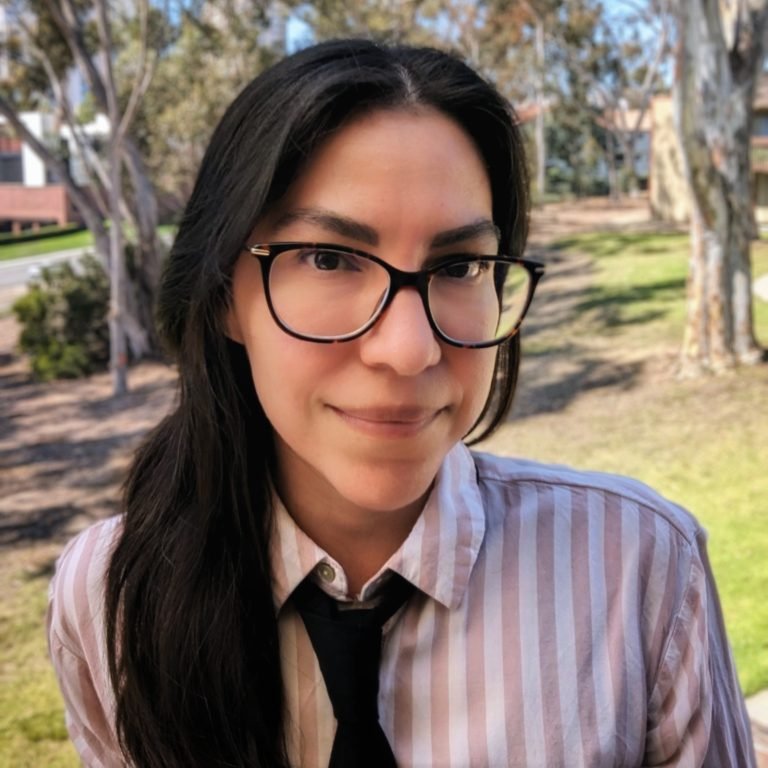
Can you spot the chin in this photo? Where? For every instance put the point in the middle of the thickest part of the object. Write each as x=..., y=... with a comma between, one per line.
x=387, y=490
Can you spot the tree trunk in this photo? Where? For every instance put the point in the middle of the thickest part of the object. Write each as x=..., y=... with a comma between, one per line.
x=718, y=62
x=118, y=358
x=144, y=260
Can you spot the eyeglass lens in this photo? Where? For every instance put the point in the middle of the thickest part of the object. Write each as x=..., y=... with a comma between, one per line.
x=331, y=294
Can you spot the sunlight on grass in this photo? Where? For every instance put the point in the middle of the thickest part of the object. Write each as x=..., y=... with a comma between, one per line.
x=638, y=287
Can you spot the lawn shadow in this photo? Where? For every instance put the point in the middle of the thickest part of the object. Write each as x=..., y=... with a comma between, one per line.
x=20, y=526
x=615, y=307
x=557, y=365
x=617, y=244
x=13, y=381
x=43, y=571
x=136, y=398
x=65, y=448
x=68, y=453
x=564, y=286
x=551, y=382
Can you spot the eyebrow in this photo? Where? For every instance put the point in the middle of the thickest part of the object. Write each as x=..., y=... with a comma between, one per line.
x=480, y=228
x=347, y=227
x=332, y=222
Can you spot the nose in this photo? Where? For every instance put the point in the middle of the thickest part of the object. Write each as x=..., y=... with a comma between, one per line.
x=402, y=339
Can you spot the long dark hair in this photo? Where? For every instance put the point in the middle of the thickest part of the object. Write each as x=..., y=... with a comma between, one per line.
x=192, y=638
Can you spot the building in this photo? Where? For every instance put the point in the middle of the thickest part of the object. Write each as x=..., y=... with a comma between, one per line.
x=29, y=196
x=630, y=132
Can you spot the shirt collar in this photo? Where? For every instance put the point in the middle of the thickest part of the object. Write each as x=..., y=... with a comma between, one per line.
x=437, y=557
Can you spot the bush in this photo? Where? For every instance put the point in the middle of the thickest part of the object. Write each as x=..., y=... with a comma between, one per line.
x=63, y=319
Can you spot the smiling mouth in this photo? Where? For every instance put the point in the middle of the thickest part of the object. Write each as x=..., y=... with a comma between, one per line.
x=394, y=422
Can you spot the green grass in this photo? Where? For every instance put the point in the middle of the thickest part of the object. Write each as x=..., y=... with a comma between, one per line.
x=701, y=442
x=80, y=239
x=638, y=285
x=32, y=731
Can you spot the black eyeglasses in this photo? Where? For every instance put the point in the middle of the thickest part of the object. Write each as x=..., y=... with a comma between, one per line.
x=327, y=293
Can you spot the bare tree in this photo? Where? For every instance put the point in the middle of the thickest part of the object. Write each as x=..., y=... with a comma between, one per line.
x=719, y=55
x=104, y=197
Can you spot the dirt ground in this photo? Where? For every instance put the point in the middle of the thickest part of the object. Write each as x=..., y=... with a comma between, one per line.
x=64, y=446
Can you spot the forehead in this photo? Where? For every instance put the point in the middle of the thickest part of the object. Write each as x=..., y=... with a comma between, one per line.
x=393, y=168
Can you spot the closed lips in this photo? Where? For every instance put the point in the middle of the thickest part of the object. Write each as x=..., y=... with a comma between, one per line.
x=408, y=415
x=389, y=420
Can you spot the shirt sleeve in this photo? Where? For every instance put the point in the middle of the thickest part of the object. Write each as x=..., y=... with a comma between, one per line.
x=85, y=717
x=75, y=645
x=696, y=713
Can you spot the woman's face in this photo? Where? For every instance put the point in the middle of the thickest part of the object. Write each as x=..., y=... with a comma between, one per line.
x=361, y=427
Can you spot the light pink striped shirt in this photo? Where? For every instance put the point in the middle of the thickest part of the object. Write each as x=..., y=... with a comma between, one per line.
x=562, y=619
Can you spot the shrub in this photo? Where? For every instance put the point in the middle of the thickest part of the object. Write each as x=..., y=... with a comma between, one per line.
x=63, y=318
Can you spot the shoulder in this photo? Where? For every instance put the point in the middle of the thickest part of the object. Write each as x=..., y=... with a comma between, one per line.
x=76, y=593
x=583, y=493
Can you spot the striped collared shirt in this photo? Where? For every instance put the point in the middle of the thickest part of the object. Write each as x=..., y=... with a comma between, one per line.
x=561, y=619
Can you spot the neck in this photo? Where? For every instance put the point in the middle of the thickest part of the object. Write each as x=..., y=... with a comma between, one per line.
x=360, y=540
x=361, y=546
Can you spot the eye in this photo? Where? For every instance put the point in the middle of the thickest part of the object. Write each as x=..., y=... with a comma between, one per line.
x=330, y=261
x=465, y=270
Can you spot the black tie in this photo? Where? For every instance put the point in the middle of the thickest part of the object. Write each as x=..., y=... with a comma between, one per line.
x=348, y=647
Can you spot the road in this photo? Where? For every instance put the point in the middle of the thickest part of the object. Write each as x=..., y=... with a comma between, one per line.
x=15, y=273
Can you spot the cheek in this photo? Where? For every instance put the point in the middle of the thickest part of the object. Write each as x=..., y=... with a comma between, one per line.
x=287, y=373
x=475, y=370
x=277, y=374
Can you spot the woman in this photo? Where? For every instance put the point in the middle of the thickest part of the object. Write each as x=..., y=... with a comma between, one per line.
x=544, y=617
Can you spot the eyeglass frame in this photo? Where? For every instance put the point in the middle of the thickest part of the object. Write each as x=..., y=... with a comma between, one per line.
x=266, y=253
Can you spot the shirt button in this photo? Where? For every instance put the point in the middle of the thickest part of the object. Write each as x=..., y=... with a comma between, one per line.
x=326, y=572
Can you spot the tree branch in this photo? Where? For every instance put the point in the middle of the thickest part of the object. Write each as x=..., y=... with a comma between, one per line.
x=144, y=73
x=105, y=37
x=64, y=15
x=94, y=166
